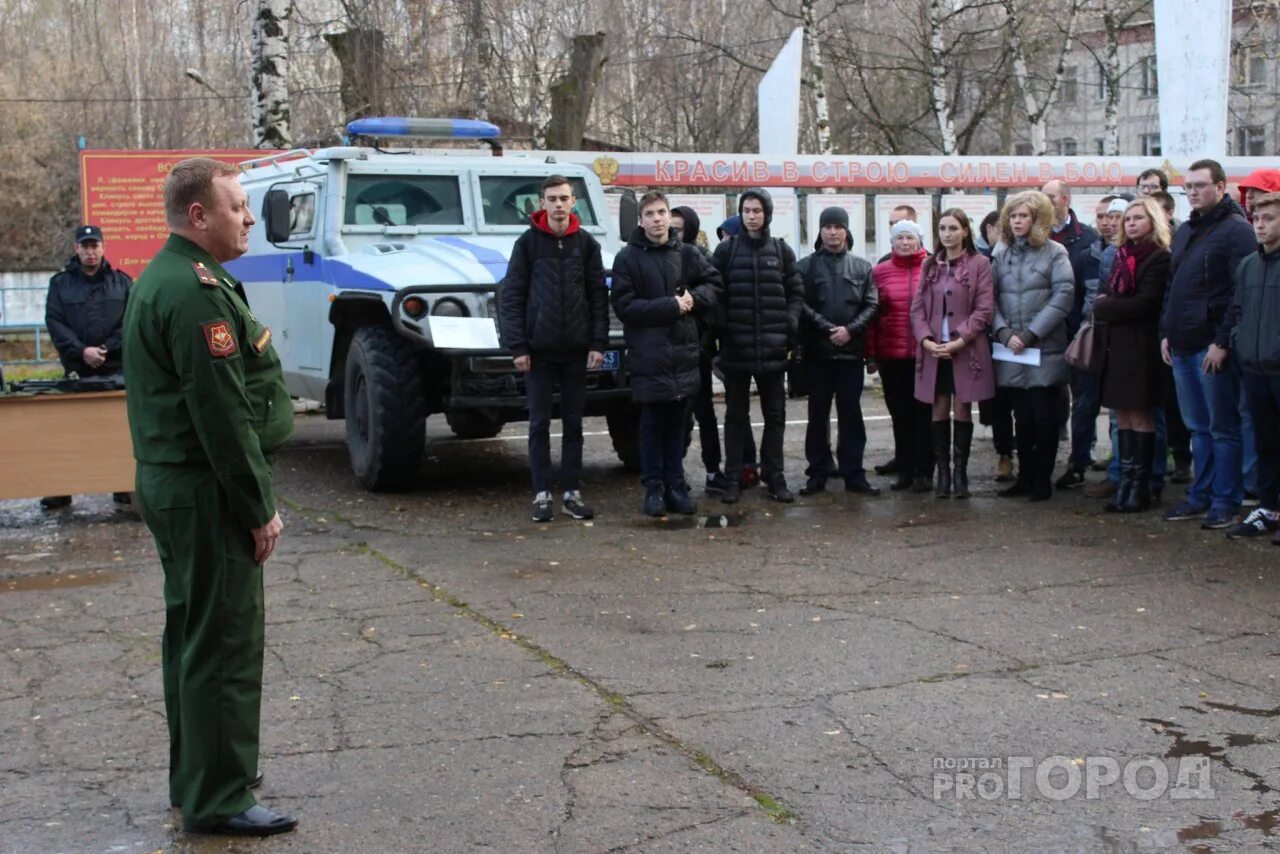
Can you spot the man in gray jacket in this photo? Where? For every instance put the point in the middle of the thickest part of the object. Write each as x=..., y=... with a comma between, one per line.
x=840, y=301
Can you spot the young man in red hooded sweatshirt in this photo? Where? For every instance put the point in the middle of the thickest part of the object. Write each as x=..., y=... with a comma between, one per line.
x=554, y=313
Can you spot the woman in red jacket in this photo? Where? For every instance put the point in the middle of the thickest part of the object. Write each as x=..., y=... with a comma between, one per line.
x=949, y=317
x=892, y=348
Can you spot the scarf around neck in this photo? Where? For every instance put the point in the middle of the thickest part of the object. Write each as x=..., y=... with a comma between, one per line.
x=1129, y=256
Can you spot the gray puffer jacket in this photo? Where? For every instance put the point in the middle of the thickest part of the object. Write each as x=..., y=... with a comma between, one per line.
x=1035, y=291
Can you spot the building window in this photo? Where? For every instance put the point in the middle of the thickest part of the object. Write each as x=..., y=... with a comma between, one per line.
x=1100, y=146
x=1251, y=66
x=1150, y=145
x=1067, y=94
x=1150, y=81
x=1251, y=141
x=1067, y=147
x=1022, y=149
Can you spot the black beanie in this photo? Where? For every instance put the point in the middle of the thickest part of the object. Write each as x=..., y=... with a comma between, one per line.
x=834, y=216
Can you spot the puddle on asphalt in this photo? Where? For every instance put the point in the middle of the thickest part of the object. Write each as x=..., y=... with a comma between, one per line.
x=1212, y=828
x=1257, y=713
x=59, y=581
x=1183, y=747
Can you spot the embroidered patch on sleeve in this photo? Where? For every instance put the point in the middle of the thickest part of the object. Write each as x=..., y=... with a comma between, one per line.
x=263, y=341
x=219, y=338
x=204, y=274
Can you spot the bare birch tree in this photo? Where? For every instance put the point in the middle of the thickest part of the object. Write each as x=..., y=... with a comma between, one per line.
x=1038, y=100
x=270, y=73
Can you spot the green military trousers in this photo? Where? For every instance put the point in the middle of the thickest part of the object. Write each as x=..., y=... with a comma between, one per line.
x=213, y=641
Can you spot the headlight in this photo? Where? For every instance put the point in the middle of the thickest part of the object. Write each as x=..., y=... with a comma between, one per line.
x=449, y=307
x=415, y=307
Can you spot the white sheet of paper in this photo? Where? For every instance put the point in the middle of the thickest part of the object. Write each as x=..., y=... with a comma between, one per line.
x=464, y=333
x=1029, y=356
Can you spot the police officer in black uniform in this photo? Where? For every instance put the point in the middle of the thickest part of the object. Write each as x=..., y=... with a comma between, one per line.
x=84, y=312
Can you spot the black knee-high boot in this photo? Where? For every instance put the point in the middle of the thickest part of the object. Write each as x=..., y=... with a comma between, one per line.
x=963, y=441
x=1125, y=454
x=942, y=454
x=1024, y=442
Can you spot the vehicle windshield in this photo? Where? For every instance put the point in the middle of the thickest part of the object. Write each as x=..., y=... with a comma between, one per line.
x=403, y=200
x=510, y=199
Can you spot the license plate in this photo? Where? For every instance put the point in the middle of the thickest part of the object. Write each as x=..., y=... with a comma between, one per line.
x=612, y=361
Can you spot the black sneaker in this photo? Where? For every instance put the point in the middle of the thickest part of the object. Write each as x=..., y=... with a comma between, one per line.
x=678, y=501
x=732, y=494
x=1074, y=477
x=653, y=503
x=572, y=506
x=1217, y=519
x=1256, y=524
x=778, y=492
x=717, y=483
x=542, y=510
x=1183, y=511
x=814, y=485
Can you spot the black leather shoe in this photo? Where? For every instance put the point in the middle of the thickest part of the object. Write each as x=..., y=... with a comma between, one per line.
x=257, y=820
x=814, y=485
x=903, y=482
x=861, y=487
x=890, y=467
x=778, y=492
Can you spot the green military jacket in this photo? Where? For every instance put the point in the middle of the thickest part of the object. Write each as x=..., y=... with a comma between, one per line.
x=203, y=383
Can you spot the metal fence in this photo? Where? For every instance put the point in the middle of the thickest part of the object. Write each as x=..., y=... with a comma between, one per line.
x=22, y=297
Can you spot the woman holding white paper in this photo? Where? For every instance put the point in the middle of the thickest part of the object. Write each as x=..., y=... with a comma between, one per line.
x=1035, y=289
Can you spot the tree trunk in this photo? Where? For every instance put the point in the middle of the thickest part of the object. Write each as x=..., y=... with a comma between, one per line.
x=481, y=55
x=360, y=55
x=1037, y=111
x=1111, y=75
x=817, y=77
x=938, y=79
x=271, y=111
x=571, y=95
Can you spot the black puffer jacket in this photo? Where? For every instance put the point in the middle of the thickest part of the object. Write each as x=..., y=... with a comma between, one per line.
x=1207, y=251
x=1079, y=239
x=553, y=300
x=838, y=291
x=662, y=343
x=87, y=311
x=761, y=296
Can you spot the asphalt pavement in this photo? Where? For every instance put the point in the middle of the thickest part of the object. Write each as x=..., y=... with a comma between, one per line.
x=845, y=673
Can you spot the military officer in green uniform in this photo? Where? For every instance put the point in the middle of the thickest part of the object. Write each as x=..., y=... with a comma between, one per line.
x=207, y=409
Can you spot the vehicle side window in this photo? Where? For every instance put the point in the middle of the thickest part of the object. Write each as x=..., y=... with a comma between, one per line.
x=403, y=200
x=512, y=199
x=302, y=214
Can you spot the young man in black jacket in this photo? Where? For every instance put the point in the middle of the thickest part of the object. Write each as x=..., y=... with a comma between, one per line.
x=1255, y=340
x=1207, y=251
x=759, y=315
x=554, y=314
x=840, y=301
x=660, y=284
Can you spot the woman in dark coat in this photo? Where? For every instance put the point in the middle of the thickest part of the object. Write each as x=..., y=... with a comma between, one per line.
x=950, y=315
x=1127, y=317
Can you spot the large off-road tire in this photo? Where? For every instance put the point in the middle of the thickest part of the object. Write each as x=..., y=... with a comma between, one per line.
x=624, y=430
x=474, y=424
x=385, y=410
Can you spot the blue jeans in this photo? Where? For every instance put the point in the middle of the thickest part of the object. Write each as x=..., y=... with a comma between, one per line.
x=1210, y=405
x=545, y=373
x=1159, y=466
x=1084, y=417
x=662, y=427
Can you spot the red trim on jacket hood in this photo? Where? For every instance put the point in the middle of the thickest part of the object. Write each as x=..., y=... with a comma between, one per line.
x=539, y=221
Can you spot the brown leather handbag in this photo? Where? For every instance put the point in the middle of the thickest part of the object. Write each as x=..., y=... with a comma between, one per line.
x=1085, y=350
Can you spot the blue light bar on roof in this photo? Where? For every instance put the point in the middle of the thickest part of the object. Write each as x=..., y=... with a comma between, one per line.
x=434, y=128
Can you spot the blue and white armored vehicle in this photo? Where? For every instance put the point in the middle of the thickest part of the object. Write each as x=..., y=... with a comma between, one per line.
x=377, y=271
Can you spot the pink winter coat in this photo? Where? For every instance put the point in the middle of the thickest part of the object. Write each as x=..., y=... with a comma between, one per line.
x=965, y=284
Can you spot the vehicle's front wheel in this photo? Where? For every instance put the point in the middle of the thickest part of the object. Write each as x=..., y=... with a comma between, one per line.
x=624, y=430
x=385, y=409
